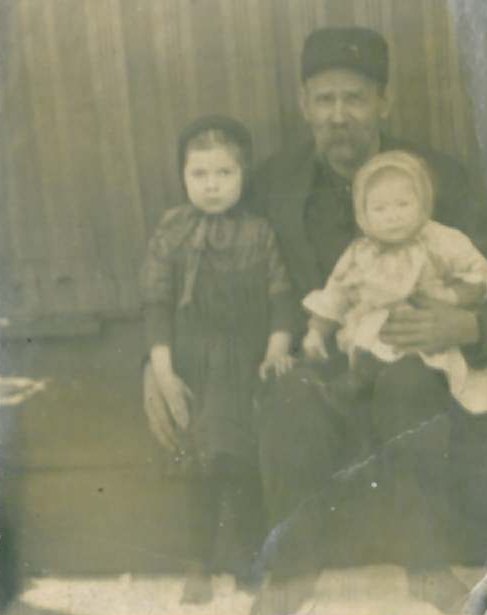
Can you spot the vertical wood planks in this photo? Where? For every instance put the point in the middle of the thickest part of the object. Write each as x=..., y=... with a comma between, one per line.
x=96, y=91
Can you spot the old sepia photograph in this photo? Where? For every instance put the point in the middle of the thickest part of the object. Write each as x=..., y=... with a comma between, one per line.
x=243, y=307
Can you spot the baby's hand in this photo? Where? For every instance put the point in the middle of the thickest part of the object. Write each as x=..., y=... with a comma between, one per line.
x=314, y=346
x=279, y=364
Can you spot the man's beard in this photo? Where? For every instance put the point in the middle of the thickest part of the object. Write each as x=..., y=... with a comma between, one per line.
x=344, y=148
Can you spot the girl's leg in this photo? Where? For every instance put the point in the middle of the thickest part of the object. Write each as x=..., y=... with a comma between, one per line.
x=226, y=525
x=203, y=519
x=241, y=524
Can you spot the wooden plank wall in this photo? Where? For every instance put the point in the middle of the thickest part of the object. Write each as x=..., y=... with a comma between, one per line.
x=95, y=91
x=470, y=18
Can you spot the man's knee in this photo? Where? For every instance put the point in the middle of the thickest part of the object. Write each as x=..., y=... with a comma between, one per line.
x=295, y=424
x=410, y=379
x=408, y=393
x=296, y=390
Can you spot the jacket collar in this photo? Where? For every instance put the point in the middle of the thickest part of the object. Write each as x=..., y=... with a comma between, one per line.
x=294, y=188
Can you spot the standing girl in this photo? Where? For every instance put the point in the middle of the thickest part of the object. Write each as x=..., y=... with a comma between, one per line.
x=218, y=311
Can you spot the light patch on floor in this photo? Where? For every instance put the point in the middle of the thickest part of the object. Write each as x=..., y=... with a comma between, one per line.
x=127, y=595
x=380, y=590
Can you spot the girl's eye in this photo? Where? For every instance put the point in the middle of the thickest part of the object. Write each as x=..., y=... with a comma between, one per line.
x=225, y=172
x=403, y=204
x=198, y=173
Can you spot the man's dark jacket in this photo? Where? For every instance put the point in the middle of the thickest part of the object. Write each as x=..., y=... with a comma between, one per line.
x=284, y=183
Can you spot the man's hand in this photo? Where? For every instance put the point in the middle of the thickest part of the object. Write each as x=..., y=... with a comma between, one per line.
x=431, y=327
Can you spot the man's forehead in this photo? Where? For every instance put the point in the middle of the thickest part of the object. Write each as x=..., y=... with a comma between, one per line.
x=340, y=79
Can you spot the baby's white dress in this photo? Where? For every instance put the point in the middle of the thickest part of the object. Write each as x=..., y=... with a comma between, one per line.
x=371, y=278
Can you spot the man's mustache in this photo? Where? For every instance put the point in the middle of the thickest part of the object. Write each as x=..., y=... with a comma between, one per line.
x=340, y=136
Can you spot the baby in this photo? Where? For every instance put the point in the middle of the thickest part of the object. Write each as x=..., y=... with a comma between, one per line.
x=402, y=256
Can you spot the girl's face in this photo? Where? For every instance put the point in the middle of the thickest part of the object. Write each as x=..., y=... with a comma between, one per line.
x=213, y=179
x=393, y=209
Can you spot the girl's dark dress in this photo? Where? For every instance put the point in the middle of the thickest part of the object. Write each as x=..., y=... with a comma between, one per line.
x=215, y=288
x=218, y=289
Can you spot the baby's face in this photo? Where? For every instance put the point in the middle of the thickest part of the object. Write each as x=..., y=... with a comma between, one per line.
x=393, y=209
x=213, y=179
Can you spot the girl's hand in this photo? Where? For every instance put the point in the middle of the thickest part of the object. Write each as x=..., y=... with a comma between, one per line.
x=279, y=364
x=157, y=411
x=176, y=394
x=314, y=346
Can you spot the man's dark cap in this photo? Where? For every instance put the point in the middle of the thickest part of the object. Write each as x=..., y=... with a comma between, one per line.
x=358, y=49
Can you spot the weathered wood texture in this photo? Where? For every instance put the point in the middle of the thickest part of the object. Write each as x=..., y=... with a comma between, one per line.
x=95, y=91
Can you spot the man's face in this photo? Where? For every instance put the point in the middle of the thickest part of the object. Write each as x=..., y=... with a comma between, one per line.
x=344, y=110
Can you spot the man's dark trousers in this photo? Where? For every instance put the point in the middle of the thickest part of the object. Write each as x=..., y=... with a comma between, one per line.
x=358, y=484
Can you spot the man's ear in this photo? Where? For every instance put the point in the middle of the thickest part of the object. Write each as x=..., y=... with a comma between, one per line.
x=303, y=101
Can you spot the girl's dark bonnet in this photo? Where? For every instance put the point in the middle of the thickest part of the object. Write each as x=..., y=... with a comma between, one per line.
x=233, y=129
